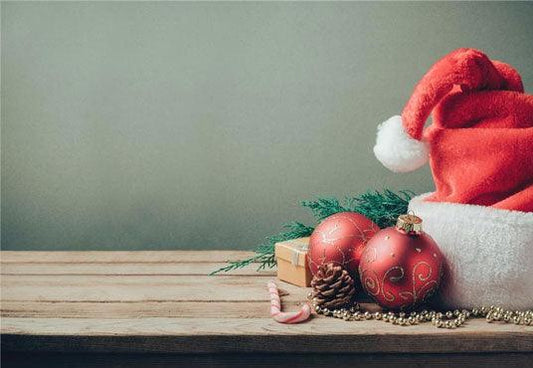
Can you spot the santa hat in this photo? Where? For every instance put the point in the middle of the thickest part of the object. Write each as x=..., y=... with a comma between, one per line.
x=481, y=140
x=480, y=148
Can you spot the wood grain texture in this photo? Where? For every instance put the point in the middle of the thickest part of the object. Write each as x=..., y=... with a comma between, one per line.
x=208, y=335
x=107, y=288
x=163, y=302
x=139, y=268
x=143, y=309
x=163, y=256
x=270, y=360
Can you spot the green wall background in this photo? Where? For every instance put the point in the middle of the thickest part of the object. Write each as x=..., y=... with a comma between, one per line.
x=202, y=125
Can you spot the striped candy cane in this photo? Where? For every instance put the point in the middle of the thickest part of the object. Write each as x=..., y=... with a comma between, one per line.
x=285, y=317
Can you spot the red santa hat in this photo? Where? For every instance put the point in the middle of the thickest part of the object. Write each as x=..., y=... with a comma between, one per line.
x=480, y=148
x=481, y=140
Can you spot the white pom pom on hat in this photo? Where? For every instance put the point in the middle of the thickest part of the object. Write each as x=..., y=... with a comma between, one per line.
x=396, y=150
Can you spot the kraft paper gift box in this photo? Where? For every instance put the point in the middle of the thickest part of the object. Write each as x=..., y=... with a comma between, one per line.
x=291, y=256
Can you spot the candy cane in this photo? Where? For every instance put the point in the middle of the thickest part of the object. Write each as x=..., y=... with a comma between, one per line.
x=285, y=317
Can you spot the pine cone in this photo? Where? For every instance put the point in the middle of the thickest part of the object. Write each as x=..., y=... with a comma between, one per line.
x=333, y=287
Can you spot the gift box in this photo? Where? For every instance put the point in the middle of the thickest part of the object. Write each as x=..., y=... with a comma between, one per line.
x=291, y=256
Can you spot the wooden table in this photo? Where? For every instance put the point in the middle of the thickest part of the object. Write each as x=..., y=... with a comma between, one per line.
x=75, y=308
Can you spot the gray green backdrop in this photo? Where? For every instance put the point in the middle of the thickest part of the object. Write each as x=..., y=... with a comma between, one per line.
x=202, y=125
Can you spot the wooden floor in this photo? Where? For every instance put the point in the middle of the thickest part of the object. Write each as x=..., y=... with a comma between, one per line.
x=98, y=309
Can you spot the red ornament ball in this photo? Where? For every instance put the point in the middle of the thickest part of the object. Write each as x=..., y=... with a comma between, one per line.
x=340, y=239
x=401, y=269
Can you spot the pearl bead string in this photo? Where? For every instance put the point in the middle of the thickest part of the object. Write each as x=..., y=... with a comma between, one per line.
x=449, y=319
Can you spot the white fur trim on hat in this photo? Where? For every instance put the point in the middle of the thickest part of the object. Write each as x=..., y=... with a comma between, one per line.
x=396, y=150
x=488, y=251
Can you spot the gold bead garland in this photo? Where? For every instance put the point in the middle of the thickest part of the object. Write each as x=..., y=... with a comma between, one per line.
x=449, y=319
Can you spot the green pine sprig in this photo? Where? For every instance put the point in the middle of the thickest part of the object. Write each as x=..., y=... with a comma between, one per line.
x=324, y=207
x=265, y=251
x=383, y=208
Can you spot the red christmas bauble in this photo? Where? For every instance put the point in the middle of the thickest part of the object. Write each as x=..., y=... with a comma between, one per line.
x=401, y=266
x=340, y=239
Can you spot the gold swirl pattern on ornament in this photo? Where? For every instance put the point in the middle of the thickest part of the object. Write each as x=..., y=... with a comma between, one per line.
x=422, y=271
x=371, y=255
x=388, y=295
x=370, y=282
x=422, y=276
x=433, y=286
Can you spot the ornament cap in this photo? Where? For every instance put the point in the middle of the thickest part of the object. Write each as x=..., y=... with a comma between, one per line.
x=409, y=224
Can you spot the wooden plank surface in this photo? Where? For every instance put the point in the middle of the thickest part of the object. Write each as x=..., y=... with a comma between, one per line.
x=163, y=301
x=162, y=256
x=140, y=288
x=268, y=360
x=142, y=309
x=153, y=269
x=174, y=335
